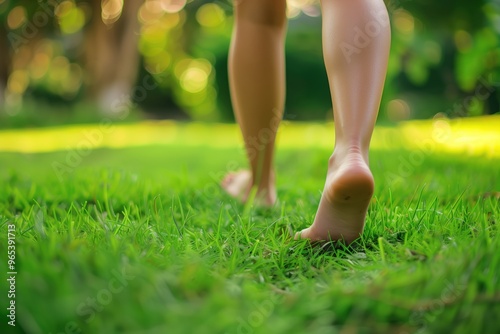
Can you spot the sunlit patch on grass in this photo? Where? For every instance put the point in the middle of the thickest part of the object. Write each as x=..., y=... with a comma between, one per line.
x=472, y=136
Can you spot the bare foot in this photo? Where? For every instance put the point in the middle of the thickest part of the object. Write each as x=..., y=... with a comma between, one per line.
x=344, y=203
x=239, y=184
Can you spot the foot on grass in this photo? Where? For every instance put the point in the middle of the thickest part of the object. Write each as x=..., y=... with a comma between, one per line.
x=239, y=185
x=344, y=203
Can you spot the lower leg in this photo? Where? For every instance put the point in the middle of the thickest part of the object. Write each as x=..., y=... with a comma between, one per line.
x=356, y=40
x=257, y=84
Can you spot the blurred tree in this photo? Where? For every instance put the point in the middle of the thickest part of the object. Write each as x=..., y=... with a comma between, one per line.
x=4, y=62
x=5, y=51
x=17, y=33
x=111, y=54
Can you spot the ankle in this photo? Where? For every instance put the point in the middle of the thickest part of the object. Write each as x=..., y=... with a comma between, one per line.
x=266, y=191
x=342, y=154
x=265, y=182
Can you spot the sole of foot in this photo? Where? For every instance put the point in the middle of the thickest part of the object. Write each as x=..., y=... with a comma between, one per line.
x=344, y=203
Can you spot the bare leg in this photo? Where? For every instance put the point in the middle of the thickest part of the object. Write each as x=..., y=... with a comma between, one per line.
x=356, y=40
x=257, y=83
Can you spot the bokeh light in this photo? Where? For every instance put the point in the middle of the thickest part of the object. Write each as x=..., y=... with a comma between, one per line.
x=111, y=11
x=172, y=6
x=193, y=74
x=404, y=21
x=308, y=7
x=17, y=17
x=398, y=110
x=194, y=80
x=210, y=15
x=18, y=82
x=71, y=18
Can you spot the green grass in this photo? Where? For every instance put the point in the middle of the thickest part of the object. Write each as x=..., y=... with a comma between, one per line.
x=141, y=240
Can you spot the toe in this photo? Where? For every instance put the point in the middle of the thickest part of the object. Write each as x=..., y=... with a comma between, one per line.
x=301, y=235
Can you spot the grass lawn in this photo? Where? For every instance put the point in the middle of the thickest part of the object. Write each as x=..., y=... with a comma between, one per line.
x=125, y=230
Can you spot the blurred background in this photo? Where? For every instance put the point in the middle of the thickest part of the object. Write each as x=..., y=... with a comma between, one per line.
x=73, y=61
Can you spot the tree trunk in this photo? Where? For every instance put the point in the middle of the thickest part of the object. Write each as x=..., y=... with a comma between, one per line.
x=112, y=57
x=4, y=64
